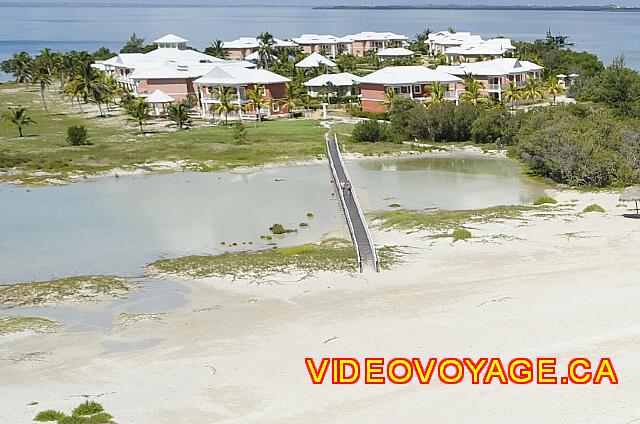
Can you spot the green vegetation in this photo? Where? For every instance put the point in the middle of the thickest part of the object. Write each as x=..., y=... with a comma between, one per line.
x=331, y=254
x=328, y=255
x=86, y=287
x=17, y=324
x=77, y=136
x=594, y=208
x=206, y=148
x=279, y=229
x=542, y=200
x=17, y=117
x=460, y=234
x=443, y=220
x=88, y=412
x=372, y=131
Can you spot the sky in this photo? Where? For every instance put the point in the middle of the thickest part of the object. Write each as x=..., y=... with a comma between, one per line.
x=341, y=2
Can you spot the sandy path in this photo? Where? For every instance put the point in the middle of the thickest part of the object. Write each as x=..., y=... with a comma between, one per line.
x=235, y=352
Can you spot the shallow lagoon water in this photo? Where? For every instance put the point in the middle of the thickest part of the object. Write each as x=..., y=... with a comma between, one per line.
x=116, y=226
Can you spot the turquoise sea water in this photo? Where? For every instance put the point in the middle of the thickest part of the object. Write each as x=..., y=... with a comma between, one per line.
x=65, y=28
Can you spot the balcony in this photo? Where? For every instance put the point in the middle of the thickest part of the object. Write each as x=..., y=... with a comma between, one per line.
x=493, y=87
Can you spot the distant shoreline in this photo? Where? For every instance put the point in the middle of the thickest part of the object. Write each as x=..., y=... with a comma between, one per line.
x=487, y=7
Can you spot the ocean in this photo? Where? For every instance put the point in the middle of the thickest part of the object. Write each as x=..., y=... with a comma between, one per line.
x=29, y=28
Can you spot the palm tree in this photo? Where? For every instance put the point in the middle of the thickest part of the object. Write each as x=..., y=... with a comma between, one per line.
x=438, y=92
x=72, y=91
x=533, y=88
x=329, y=89
x=216, y=49
x=18, y=118
x=41, y=77
x=91, y=85
x=47, y=60
x=553, y=87
x=473, y=91
x=179, y=113
x=21, y=66
x=257, y=100
x=291, y=96
x=139, y=111
x=389, y=97
x=227, y=102
x=266, y=49
x=512, y=93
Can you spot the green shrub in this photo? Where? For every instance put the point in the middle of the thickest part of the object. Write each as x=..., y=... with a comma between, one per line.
x=78, y=136
x=49, y=415
x=277, y=229
x=309, y=215
x=460, y=234
x=394, y=205
x=371, y=132
x=544, y=200
x=594, y=208
x=87, y=408
x=490, y=126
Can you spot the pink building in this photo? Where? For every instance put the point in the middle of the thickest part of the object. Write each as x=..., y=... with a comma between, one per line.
x=245, y=46
x=413, y=82
x=240, y=80
x=495, y=75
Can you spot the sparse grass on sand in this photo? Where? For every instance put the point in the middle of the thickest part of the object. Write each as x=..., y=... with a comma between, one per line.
x=594, y=208
x=44, y=154
x=17, y=324
x=543, y=200
x=328, y=255
x=70, y=289
x=443, y=220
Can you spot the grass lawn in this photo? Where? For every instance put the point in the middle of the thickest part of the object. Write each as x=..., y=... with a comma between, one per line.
x=118, y=142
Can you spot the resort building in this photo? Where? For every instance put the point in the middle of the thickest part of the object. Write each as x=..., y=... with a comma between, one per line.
x=343, y=84
x=439, y=42
x=472, y=52
x=171, y=69
x=410, y=81
x=367, y=41
x=245, y=47
x=315, y=60
x=241, y=79
x=495, y=75
x=329, y=45
x=395, y=53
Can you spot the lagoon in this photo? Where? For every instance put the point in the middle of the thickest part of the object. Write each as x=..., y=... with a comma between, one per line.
x=116, y=226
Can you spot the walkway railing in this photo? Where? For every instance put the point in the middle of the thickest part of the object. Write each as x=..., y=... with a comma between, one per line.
x=360, y=234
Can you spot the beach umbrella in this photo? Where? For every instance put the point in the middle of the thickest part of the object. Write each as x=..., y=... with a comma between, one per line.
x=632, y=194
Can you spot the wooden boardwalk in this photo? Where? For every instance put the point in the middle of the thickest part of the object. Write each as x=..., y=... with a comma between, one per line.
x=360, y=235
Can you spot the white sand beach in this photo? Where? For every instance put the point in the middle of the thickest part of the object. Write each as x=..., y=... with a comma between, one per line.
x=555, y=284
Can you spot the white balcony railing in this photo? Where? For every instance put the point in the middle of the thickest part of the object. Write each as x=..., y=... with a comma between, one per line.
x=493, y=87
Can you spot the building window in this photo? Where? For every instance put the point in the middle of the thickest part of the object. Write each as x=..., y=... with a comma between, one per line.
x=275, y=107
x=417, y=89
x=405, y=90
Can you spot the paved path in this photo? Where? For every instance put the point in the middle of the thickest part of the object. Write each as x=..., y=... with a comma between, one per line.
x=353, y=213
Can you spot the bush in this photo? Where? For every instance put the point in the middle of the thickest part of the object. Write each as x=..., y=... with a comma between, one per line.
x=594, y=208
x=544, y=200
x=371, y=132
x=460, y=234
x=490, y=126
x=596, y=149
x=277, y=229
x=78, y=136
x=49, y=415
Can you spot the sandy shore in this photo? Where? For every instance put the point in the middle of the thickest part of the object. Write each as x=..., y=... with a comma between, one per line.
x=558, y=284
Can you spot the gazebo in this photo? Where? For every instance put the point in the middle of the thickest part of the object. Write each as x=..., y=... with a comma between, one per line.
x=562, y=78
x=159, y=98
x=632, y=194
x=315, y=60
